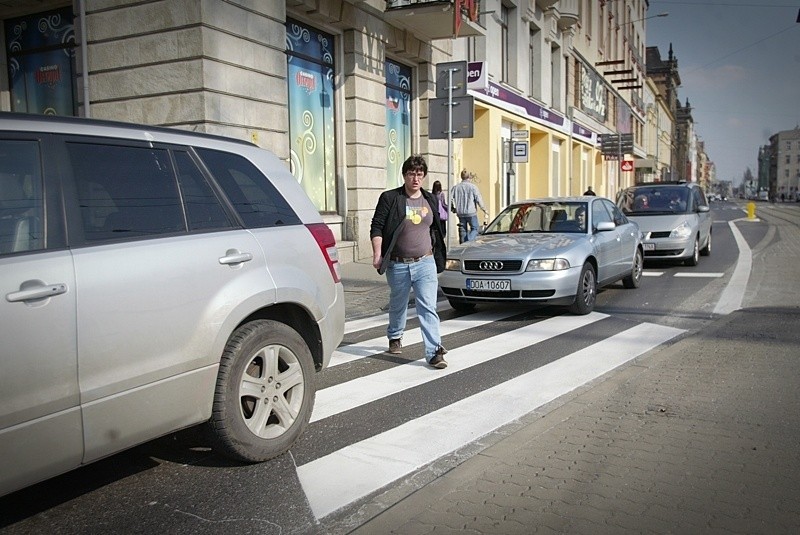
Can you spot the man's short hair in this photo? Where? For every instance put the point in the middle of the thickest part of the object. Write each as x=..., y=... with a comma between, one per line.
x=415, y=162
x=465, y=174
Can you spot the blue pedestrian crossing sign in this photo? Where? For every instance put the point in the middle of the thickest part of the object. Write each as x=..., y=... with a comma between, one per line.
x=519, y=153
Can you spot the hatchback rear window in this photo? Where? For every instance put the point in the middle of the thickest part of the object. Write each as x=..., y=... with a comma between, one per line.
x=253, y=196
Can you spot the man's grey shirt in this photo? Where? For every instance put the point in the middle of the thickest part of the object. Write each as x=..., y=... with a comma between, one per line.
x=466, y=198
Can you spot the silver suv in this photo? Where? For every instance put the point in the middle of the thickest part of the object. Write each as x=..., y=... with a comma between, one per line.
x=674, y=219
x=154, y=279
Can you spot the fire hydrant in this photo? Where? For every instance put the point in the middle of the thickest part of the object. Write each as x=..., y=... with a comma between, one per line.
x=751, y=210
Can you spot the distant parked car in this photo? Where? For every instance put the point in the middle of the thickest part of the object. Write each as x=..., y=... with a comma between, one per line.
x=154, y=279
x=674, y=219
x=541, y=251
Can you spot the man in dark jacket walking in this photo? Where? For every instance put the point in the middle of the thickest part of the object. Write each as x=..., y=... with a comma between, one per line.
x=408, y=245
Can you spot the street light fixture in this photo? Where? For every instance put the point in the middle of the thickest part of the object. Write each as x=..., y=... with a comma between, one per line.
x=633, y=80
x=664, y=14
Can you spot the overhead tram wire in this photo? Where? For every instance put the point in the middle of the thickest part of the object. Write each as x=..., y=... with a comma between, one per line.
x=742, y=49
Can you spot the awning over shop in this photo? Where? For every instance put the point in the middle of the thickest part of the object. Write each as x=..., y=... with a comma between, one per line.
x=644, y=163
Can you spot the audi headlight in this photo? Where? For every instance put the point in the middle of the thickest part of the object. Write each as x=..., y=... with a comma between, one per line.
x=452, y=264
x=547, y=264
x=683, y=231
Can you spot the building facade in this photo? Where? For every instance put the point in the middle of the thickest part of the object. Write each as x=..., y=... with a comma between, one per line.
x=785, y=171
x=341, y=90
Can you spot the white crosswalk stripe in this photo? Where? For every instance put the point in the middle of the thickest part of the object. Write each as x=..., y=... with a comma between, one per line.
x=378, y=345
x=353, y=393
x=357, y=470
x=363, y=324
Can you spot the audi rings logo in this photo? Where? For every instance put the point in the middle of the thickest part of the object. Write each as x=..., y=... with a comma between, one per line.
x=490, y=266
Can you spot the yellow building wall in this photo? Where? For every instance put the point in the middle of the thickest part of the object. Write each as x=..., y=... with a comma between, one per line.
x=483, y=154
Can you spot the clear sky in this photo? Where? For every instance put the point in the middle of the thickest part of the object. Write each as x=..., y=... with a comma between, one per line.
x=739, y=63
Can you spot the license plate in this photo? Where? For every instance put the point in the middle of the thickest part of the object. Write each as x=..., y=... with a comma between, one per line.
x=649, y=246
x=493, y=285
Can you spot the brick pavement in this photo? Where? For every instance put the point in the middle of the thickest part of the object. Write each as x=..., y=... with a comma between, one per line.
x=700, y=436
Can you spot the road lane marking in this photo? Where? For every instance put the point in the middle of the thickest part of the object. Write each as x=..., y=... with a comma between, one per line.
x=699, y=274
x=733, y=294
x=652, y=273
x=346, y=475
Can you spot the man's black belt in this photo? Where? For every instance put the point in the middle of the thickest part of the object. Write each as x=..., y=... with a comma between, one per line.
x=409, y=259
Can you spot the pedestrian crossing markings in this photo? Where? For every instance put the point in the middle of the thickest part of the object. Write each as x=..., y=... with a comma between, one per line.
x=358, y=470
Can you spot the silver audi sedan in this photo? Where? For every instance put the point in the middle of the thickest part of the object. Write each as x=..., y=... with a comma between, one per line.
x=551, y=251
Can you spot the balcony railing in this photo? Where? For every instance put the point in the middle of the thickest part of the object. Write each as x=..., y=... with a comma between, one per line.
x=436, y=19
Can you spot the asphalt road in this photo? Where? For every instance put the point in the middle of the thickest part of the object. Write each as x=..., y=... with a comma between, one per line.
x=178, y=485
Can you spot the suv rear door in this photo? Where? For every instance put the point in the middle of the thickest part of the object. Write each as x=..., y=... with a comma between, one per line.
x=39, y=399
x=164, y=274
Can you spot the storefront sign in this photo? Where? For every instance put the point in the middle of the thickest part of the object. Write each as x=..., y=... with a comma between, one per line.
x=593, y=93
x=476, y=75
x=533, y=110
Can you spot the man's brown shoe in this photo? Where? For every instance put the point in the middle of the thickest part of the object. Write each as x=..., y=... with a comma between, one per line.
x=438, y=358
x=395, y=347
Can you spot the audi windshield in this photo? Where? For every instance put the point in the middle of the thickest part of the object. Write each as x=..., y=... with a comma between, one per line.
x=538, y=217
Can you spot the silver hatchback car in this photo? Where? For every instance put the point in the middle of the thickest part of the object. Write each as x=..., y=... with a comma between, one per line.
x=154, y=279
x=674, y=219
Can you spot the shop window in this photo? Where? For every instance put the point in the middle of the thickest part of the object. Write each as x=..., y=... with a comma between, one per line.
x=398, y=121
x=41, y=58
x=311, y=70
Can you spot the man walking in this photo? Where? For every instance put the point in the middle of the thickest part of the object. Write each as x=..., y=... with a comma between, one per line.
x=466, y=198
x=408, y=245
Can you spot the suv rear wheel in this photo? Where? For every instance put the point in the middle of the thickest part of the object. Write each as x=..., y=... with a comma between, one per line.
x=265, y=392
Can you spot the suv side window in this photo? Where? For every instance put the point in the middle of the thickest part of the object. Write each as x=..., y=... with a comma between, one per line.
x=21, y=197
x=253, y=196
x=203, y=209
x=125, y=191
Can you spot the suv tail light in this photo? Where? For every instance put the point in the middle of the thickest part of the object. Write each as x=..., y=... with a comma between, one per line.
x=327, y=244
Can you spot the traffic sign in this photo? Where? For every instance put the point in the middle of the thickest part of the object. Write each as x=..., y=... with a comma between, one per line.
x=459, y=79
x=626, y=165
x=463, y=109
x=616, y=143
x=520, y=154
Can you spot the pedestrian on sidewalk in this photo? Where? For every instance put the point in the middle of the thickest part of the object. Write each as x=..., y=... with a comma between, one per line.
x=589, y=192
x=465, y=201
x=436, y=190
x=408, y=245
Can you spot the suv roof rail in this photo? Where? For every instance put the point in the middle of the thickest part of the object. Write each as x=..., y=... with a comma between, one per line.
x=34, y=118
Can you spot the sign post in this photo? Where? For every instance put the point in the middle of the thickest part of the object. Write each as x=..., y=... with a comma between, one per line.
x=451, y=93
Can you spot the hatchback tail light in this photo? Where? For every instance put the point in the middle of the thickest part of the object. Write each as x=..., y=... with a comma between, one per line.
x=327, y=244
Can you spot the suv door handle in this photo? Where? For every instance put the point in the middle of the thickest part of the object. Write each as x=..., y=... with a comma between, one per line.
x=232, y=256
x=39, y=292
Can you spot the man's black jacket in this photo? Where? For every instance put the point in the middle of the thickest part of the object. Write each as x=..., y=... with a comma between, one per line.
x=390, y=213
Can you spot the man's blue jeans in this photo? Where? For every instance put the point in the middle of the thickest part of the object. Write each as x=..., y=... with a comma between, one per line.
x=421, y=276
x=467, y=227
